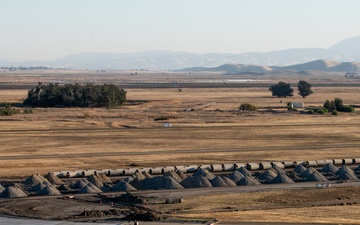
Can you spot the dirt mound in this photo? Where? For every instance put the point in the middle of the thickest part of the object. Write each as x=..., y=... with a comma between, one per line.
x=228, y=181
x=308, y=172
x=102, y=213
x=123, y=186
x=1, y=188
x=131, y=198
x=147, y=216
x=95, y=180
x=236, y=176
x=129, y=179
x=195, y=182
x=299, y=169
x=181, y=174
x=357, y=169
x=248, y=181
x=281, y=179
x=104, y=179
x=53, y=179
x=278, y=169
x=218, y=182
x=146, y=174
x=205, y=173
x=34, y=179
x=174, y=175
x=139, y=175
x=268, y=175
x=49, y=190
x=136, y=183
x=244, y=171
x=316, y=176
x=329, y=168
x=80, y=184
x=64, y=187
x=13, y=192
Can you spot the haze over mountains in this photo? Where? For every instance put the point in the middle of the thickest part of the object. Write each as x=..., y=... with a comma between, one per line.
x=345, y=51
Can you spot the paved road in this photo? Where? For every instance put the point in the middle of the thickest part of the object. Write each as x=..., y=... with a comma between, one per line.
x=192, y=151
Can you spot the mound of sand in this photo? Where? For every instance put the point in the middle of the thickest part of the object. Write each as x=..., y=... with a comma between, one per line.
x=196, y=182
x=267, y=176
x=299, y=169
x=308, y=172
x=236, y=176
x=244, y=171
x=34, y=179
x=316, y=176
x=174, y=175
x=104, y=179
x=40, y=186
x=54, y=179
x=329, y=168
x=278, y=169
x=13, y=192
x=181, y=174
x=248, y=181
x=218, y=182
x=228, y=181
x=160, y=182
x=80, y=184
x=204, y=172
x=123, y=186
x=95, y=180
x=281, y=178
x=49, y=190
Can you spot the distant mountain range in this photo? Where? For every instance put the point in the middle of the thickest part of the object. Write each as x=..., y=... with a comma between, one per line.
x=345, y=51
x=317, y=65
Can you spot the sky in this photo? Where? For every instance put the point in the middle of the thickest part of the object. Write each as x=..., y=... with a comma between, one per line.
x=52, y=29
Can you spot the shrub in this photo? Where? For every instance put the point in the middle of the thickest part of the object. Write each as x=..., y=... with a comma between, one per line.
x=347, y=108
x=247, y=107
x=335, y=113
x=8, y=111
x=320, y=110
x=28, y=111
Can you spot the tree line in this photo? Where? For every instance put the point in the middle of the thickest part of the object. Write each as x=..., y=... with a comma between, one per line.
x=283, y=89
x=75, y=95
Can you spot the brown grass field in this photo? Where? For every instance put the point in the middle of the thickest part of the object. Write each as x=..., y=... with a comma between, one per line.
x=215, y=124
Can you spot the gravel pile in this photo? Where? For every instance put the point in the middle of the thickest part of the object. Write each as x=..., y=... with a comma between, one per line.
x=344, y=169
x=89, y=190
x=123, y=186
x=244, y=171
x=160, y=182
x=49, y=190
x=316, y=176
x=267, y=176
x=218, y=182
x=347, y=175
x=146, y=174
x=13, y=192
x=228, y=181
x=196, y=182
x=357, y=169
x=174, y=175
x=94, y=179
x=299, y=169
x=1, y=188
x=329, y=168
x=104, y=179
x=308, y=172
x=281, y=178
x=39, y=186
x=34, y=179
x=80, y=184
x=136, y=183
x=236, y=176
x=139, y=175
x=248, y=181
x=54, y=179
x=278, y=169
x=205, y=173
x=181, y=174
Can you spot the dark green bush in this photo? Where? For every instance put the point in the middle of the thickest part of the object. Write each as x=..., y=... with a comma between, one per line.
x=335, y=113
x=247, y=107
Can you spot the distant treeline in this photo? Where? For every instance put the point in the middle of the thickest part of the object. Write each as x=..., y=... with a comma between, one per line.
x=12, y=68
x=69, y=95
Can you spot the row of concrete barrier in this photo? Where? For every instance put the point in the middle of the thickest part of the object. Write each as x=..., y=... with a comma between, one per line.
x=210, y=167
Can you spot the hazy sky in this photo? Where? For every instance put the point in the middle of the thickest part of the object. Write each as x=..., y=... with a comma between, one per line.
x=51, y=29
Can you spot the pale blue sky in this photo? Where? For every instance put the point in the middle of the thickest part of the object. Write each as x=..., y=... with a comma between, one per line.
x=51, y=29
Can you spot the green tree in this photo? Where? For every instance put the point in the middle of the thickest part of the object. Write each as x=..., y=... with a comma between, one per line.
x=281, y=89
x=304, y=88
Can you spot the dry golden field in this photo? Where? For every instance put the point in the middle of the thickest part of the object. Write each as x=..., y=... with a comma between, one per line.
x=214, y=124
